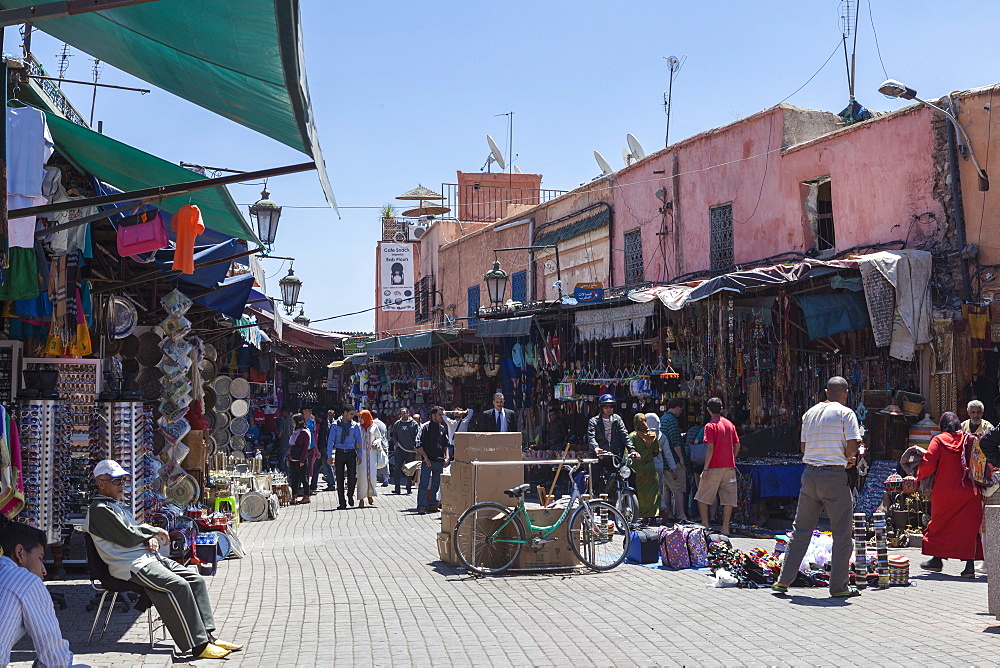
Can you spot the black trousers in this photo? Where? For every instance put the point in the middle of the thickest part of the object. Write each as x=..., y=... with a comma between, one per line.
x=298, y=478
x=399, y=458
x=345, y=471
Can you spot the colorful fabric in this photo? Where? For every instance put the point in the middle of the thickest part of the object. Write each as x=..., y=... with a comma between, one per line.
x=187, y=225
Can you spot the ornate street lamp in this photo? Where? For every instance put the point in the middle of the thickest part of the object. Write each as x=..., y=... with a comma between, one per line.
x=301, y=318
x=290, y=286
x=266, y=214
x=496, y=283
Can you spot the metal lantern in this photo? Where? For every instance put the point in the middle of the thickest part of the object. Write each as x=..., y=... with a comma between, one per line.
x=301, y=318
x=290, y=286
x=266, y=214
x=496, y=283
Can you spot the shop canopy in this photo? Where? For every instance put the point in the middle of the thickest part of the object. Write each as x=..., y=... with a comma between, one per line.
x=241, y=60
x=418, y=341
x=128, y=168
x=230, y=298
x=293, y=333
x=506, y=327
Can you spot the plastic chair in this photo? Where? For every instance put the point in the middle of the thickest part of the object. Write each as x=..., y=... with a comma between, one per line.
x=104, y=584
x=234, y=508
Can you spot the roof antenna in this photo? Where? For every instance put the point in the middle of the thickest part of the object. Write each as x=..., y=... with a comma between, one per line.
x=849, y=29
x=674, y=64
x=63, y=56
x=93, y=97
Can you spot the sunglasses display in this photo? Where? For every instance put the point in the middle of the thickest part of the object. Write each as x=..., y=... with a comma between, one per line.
x=123, y=431
x=46, y=463
x=10, y=353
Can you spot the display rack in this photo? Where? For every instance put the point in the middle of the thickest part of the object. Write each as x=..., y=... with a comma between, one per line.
x=45, y=463
x=123, y=431
x=10, y=369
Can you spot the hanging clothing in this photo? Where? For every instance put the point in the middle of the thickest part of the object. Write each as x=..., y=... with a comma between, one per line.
x=956, y=503
x=29, y=146
x=187, y=225
x=372, y=452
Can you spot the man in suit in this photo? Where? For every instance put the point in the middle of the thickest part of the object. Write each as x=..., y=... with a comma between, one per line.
x=498, y=418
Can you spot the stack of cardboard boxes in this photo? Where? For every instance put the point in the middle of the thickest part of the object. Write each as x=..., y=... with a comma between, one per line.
x=464, y=487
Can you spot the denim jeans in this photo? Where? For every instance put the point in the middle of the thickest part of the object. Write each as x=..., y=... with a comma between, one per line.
x=430, y=481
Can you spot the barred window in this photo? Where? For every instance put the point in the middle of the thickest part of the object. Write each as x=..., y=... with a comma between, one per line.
x=473, y=307
x=634, y=270
x=519, y=286
x=721, y=248
x=424, y=298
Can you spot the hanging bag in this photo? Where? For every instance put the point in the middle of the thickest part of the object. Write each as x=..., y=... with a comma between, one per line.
x=141, y=233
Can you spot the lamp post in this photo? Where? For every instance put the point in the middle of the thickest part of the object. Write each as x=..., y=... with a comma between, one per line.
x=265, y=214
x=290, y=286
x=496, y=283
x=893, y=88
x=301, y=318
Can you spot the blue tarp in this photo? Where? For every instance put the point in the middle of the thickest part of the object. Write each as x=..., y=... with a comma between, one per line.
x=827, y=315
x=204, y=277
x=229, y=298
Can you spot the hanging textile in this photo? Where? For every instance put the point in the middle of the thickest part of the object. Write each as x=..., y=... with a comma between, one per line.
x=614, y=323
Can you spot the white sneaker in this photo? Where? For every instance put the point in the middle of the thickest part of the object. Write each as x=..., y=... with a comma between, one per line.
x=982, y=569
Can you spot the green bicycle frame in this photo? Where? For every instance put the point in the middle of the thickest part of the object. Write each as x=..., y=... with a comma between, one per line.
x=522, y=511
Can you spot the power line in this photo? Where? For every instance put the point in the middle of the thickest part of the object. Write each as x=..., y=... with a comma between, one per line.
x=874, y=32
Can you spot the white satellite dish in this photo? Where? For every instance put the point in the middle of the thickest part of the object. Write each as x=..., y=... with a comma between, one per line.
x=603, y=164
x=495, y=154
x=517, y=170
x=634, y=146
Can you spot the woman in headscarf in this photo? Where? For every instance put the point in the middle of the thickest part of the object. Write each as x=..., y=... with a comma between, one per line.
x=956, y=506
x=372, y=451
x=671, y=482
x=647, y=483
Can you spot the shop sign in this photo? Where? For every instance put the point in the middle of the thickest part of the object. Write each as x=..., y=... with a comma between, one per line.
x=356, y=344
x=332, y=380
x=396, y=290
x=589, y=293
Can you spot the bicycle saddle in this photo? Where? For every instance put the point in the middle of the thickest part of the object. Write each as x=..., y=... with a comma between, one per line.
x=517, y=491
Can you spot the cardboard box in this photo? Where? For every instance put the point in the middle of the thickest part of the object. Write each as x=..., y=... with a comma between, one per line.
x=446, y=550
x=472, y=446
x=448, y=520
x=555, y=554
x=462, y=491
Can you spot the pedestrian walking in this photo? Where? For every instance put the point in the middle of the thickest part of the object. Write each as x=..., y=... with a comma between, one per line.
x=285, y=428
x=674, y=477
x=830, y=440
x=719, y=477
x=320, y=464
x=371, y=457
x=432, y=445
x=300, y=452
x=403, y=438
x=343, y=451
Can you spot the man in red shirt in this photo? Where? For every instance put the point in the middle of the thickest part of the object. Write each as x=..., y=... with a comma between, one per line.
x=719, y=477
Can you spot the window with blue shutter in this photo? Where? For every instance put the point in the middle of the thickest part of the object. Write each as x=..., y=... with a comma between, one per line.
x=519, y=286
x=473, y=307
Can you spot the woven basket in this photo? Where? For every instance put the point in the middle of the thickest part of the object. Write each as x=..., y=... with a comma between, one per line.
x=911, y=407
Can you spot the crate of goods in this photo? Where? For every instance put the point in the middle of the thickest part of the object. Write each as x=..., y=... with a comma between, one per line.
x=487, y=446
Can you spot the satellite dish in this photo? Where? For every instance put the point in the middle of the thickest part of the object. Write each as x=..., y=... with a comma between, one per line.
x=626, y=157
x=603, y=164
x=496, y=156
x=517, y=170
x=635, y=147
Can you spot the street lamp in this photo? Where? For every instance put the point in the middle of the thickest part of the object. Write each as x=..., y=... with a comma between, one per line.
x=496, y=283
x=266, y=214
x=290, y=286
x=893, y=88
x=301, y=318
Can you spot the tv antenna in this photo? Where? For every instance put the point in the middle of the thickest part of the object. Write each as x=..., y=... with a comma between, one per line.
x=63, y=57
x=495, y=155
x=634, y=152
x=674, y=64
x=93, y=97
x=848, y=29
x=603, y=164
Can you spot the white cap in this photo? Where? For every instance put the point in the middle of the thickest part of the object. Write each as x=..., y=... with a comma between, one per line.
x=109, y=467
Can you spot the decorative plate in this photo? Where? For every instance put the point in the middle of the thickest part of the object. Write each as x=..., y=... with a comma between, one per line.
x=223, y=402
x=253, y=507
x=175, y=303
x=149, y=349
x=237, y=443
x=239, y=408
x=130, y=366
x=221, y=419
x=239, y=426
x=208, y=399
x=222, y=543
x=239, y=388
x=172, y=369
x=184, y=492
x=175, y=431
x=222, y=384
x=171, y=411
x=210, y=352
x=175, y=327
x=130, y=347
x=175, y=349
x=210, y=446
x=175, y=386
x=148, y=382
x=123, y=317
x=208, y=370
x=222, y=437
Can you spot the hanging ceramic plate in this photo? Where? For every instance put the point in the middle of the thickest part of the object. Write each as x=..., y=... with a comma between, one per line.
x=130, y=347
x=210, y=352
x=175, y=327
x=148, y=382
x=222, y=402
x=208, y=399
x=239, y=426
x=184, y=492
x=221, y=419
x=221, y=437
x=208, y=370
x=222, y=384
x=239, y=408
x=172, y=369
x=175, y=349
x=175, y=431
x=149, y=349
x=210, y=446
x=253, y=507
x=239, y=388
x=171, y=411
x=123, y=317
x=237, y=443
x=176, y=303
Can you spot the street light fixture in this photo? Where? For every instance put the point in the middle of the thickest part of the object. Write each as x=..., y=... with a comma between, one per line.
x=290, y=286
x=893, y=88
x=301, y=318
x=266, y=214
x=496, y=283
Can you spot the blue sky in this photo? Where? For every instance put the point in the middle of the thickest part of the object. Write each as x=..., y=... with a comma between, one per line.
x=404, y=93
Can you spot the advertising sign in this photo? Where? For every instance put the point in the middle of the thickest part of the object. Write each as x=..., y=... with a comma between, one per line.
x=356, y=344
x=589, y=293
x=396, y=277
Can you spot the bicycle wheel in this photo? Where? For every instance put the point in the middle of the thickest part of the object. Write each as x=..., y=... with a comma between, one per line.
x=599, y=535
x=628, y=505
x=480, y=546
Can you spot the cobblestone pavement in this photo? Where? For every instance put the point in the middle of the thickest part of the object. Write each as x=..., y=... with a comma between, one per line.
x=364, y=587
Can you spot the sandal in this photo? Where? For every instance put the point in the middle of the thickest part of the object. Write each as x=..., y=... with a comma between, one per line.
x=850, y=593
x=779, y=588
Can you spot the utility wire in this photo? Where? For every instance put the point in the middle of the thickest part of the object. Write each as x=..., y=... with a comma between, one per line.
x=875, y=32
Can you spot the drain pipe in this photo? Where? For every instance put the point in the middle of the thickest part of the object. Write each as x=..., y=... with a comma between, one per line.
x=956, y=200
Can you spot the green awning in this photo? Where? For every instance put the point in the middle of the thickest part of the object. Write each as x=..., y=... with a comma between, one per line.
x=242, y=60
x=422, y=340
x=382, y=346
x=129, y=168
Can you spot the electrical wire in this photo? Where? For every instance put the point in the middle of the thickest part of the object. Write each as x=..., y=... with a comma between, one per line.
x=875, y=32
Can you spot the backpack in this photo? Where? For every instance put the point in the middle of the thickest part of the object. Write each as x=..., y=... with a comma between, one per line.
x=697, y=547
x=674, y=548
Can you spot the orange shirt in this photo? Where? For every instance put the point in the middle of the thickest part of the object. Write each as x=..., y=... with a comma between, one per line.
x=187, y=224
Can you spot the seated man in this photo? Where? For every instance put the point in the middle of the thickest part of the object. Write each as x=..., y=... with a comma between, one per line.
x=130, y=551
x=25, y=604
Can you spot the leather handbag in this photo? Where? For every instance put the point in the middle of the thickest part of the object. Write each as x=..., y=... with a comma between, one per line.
x=141, y=233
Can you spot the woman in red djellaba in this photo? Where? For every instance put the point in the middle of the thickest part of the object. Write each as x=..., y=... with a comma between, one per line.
x=956, y=505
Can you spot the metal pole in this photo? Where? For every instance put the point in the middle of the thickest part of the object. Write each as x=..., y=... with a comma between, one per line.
x=670, y=107
x=4, y=233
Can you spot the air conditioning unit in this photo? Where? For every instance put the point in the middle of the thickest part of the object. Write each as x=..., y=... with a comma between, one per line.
x=415, y=232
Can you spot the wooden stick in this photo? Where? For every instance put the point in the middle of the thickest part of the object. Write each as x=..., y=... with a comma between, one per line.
x=559, y=470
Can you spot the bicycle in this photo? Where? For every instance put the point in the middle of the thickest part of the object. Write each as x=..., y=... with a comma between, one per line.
x=625, y=498
x=489, y=536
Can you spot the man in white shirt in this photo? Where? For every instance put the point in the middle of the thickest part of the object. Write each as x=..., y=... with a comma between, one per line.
x=25, y=604
x=830, y=440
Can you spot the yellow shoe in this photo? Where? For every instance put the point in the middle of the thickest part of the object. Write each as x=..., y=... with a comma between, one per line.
x=232, y=647
x=214, y=652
